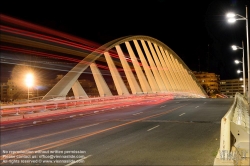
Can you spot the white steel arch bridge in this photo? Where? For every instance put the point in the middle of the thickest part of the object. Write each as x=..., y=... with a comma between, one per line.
x=148, y=65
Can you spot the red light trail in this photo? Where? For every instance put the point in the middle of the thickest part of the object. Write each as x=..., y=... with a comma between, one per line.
x=84, y=45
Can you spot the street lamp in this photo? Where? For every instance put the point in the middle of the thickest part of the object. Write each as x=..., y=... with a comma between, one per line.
x=237, y=61
x=29, y=82
x=243, y=64
x=232, y=19
x=244, y=80
x=239, y=71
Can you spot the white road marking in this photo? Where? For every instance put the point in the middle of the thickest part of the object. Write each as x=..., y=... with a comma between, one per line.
x=163, y=106
x=197, y=107
x=138, y=113
x=77, y=161
x=181, y=114
x=153, y=128
x=89, y=126
x=35, y=122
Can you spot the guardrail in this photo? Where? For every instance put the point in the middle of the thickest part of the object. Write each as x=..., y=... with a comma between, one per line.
x=234, y=134
x=46, y=108
x=56, y=104
x=63, y=105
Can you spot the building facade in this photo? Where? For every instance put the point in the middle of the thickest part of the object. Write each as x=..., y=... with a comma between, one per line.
x=230, y=87
x=209, y=81
x=10, y=91
x=4, y=94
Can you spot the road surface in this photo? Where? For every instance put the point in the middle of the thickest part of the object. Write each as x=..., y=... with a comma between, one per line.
x=174, y=132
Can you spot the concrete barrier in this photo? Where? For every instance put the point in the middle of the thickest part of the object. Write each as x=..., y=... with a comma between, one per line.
x=46, y=109
x=11, y=118
x=234, y=134
x=46, y=113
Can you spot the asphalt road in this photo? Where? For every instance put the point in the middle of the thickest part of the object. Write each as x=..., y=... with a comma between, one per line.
x=175, y=132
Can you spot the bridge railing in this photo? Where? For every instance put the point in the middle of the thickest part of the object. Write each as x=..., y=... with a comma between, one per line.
x=51, y=105
x=234, y=134
x=56, y=105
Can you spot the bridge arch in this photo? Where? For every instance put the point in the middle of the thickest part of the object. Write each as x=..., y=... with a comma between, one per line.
x=160, y=70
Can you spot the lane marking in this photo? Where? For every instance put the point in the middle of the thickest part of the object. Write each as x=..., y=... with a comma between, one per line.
x=47, y=135
x=163, y=106
x=89, y=126
x=77, y=161
x=138, y=113
x=181, y=114
x=35, y=122
x=73, y=139
x=197, y=107
x=153, y=128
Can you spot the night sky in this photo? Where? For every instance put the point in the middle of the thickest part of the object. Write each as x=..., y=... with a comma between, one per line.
x=196, y=30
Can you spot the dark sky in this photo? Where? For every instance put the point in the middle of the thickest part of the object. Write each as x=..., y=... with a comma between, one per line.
x=196, y=30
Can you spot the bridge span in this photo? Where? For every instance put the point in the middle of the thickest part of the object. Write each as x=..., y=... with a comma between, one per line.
x=145, y=64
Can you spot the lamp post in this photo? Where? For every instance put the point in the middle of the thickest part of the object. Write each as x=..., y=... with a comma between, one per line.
x=29, y=82
x=239, y=71
x=232, y=19
x=243, y=64
x=244, y=80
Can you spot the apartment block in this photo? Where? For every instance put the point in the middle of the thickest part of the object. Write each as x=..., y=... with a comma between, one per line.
x=231, y=86
x=209, y=81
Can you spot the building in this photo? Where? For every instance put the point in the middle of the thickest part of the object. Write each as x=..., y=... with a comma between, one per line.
x=4, y=88
x=230, y=87
x=209, y=81
x=10, y=91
